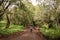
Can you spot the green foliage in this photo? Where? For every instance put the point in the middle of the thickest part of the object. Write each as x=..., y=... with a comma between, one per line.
x=2, y=25
x=12, y=29
x=51, y=33
x=52, y=25
x=45, y=25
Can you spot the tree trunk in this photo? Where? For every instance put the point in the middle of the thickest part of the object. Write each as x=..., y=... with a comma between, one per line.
x=8, y=21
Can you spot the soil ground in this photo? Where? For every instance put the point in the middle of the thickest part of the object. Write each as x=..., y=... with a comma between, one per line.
x=26, y=35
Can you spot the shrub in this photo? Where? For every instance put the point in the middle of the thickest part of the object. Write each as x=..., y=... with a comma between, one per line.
x=51, y=33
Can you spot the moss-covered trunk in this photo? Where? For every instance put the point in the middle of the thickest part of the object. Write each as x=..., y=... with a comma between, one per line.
x=8, y=21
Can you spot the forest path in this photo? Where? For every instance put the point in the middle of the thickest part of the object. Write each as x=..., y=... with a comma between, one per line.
x=27, y=35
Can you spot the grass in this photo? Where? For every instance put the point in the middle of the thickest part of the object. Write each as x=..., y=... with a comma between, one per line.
x=10, y=30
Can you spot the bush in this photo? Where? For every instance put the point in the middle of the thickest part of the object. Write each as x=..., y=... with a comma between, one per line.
x=45, y=26
x=51, y=33
x=12, y=29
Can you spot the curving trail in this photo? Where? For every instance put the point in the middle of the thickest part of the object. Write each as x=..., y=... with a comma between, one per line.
x=27, y=35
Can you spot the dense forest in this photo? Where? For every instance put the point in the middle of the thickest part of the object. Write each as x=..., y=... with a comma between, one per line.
x=16, y=15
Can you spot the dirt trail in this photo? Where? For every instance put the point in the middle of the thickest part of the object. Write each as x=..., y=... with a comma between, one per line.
x=27, y=35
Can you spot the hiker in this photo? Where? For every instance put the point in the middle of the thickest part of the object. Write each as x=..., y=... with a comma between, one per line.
x=31, y=29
